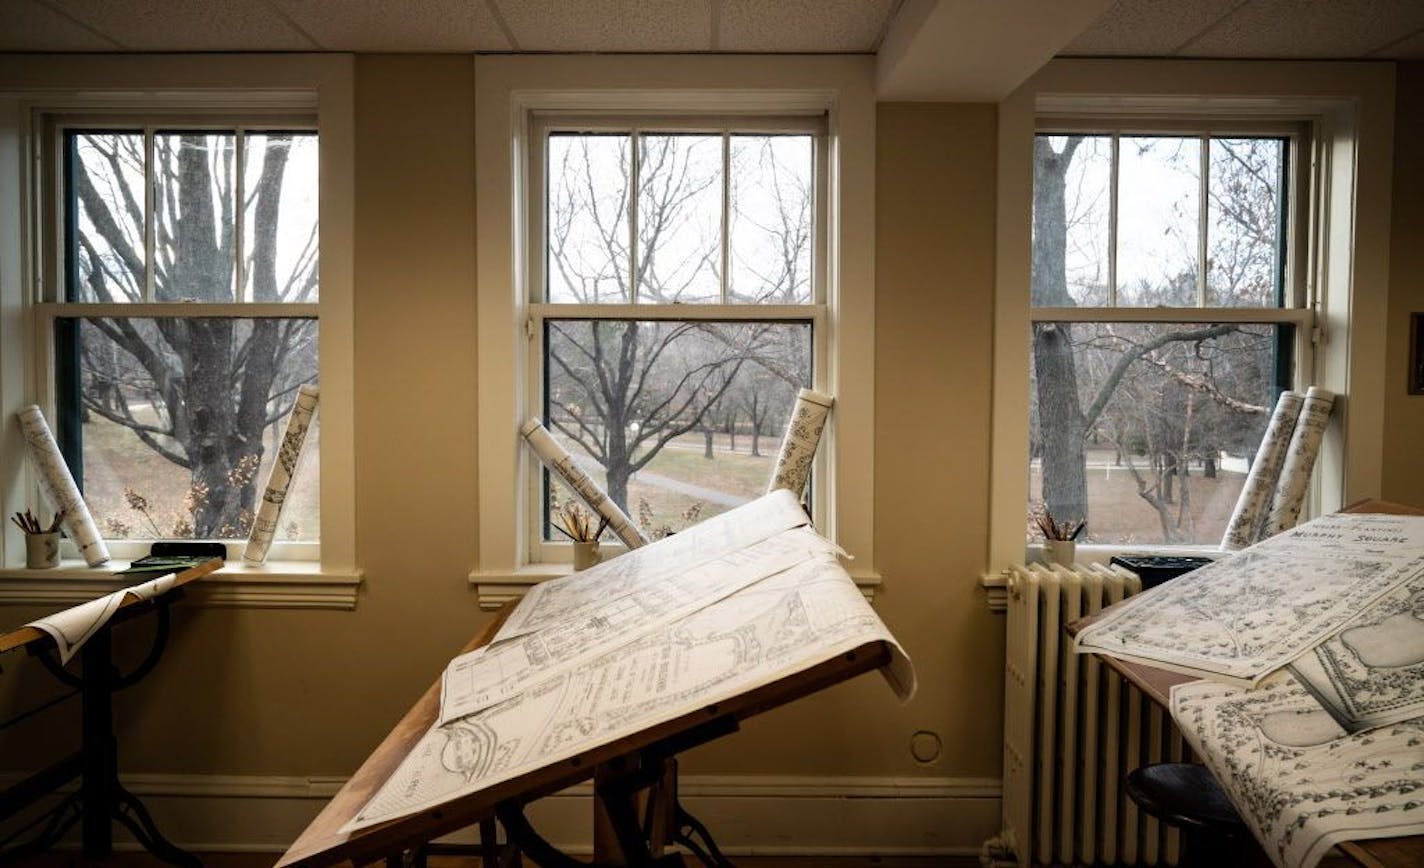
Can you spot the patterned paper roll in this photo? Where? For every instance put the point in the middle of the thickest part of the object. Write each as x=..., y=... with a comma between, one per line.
x=279, y=479
x=1300, y=461
x=798, y=447
x=58, y=486
x=1245, y=524
x=557, y=459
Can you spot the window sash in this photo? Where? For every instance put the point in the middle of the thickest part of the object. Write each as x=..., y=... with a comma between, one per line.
x=57, y=129
x=542, y=125
x=53, y=288
x=1294, y=291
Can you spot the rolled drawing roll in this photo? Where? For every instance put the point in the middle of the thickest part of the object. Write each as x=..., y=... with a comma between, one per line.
x=1245, y=524
x=279, y=478
x=1299, y=462
x=557, y=459
x=798, y=447
x=58, y=486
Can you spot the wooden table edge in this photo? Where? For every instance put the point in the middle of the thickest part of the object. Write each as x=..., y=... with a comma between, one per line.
x=22, y=636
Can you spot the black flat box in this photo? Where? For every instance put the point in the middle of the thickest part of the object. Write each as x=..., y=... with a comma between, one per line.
x=1155, y=570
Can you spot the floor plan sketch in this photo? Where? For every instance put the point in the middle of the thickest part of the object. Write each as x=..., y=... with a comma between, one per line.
x=1300, y=781
x=781, y=625
x=1252, y=612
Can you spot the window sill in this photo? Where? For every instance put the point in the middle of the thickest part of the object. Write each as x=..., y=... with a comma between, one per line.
x=274, y=585
x=498, y=587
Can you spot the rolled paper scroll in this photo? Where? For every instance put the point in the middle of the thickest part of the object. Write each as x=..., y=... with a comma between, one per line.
x=58, y=486
x=798, y=447
x=1245, y=525
x=1299, y=462
x=279, y=478
x=557, y=459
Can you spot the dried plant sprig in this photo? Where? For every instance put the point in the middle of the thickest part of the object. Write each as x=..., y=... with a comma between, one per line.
x=575, y=522
x=1059, y=531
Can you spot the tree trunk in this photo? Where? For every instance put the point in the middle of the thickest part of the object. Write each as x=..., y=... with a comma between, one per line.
x=707, y=442
x=1061, y=421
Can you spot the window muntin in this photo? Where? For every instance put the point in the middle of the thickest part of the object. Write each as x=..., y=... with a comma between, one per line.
x=189, y=258
x=706, y=354
x=1149, y=386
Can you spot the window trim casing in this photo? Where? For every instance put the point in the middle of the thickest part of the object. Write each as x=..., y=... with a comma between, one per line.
x=539, y=311
x=319, y=86
x=508, y=91
x=1349, y=108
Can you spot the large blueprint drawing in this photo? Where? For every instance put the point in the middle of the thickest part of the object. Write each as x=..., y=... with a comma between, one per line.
x=1371, y=673
x=575, y=595
x=1253, y=612
x=1300, y=781
x=492, y=674
x=776, y=627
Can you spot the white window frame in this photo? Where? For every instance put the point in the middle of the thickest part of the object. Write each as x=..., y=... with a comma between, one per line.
x=511, y=94
x=37, y=94
x=1299, y=308
x=1348, y=110
x=539, y=311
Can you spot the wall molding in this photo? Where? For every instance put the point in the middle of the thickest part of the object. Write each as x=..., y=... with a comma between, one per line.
x=771, y=814
x=280, y=587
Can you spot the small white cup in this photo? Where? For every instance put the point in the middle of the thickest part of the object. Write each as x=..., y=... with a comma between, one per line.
x=41, y=550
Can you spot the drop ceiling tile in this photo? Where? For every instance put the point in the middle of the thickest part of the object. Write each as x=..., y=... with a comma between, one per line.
x=1410, y=48
x=1147, y=28
x=413, y=25
x=29, y=26
x=802, y=25
x=192, y=25
x=609, y=25
x=1292, y=29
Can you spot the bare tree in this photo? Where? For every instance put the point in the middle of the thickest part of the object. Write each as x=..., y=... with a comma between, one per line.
x=197, y=391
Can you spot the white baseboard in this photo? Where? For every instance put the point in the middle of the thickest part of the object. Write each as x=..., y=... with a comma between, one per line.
x=748, y=814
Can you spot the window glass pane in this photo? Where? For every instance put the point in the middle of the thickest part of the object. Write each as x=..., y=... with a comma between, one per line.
x=1244, y=240
x=679, y=218
x=194, y=220
x=1146, y=429
x=106, y=210
x=279, y=217
x=678, y=420
x=179, y=421
x=1072, y=197
x=1158, y=223
x=587, y=229
x=773, y=234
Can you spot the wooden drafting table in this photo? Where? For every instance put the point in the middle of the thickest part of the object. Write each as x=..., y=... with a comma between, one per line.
x=1157, y=684
x=616, y=768
x=101, y=799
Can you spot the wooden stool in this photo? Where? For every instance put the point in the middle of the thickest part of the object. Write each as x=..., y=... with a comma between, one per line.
x=1186, y=796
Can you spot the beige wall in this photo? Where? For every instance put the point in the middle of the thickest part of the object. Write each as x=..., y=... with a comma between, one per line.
x=1404, y=413
x=310, y=693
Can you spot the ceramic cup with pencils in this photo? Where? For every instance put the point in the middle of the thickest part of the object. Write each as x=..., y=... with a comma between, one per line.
x=574, y=521
x=41, y=541
x=1060, y=539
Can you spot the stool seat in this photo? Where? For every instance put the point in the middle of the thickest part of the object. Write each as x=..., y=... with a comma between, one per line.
x=1187, y=796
